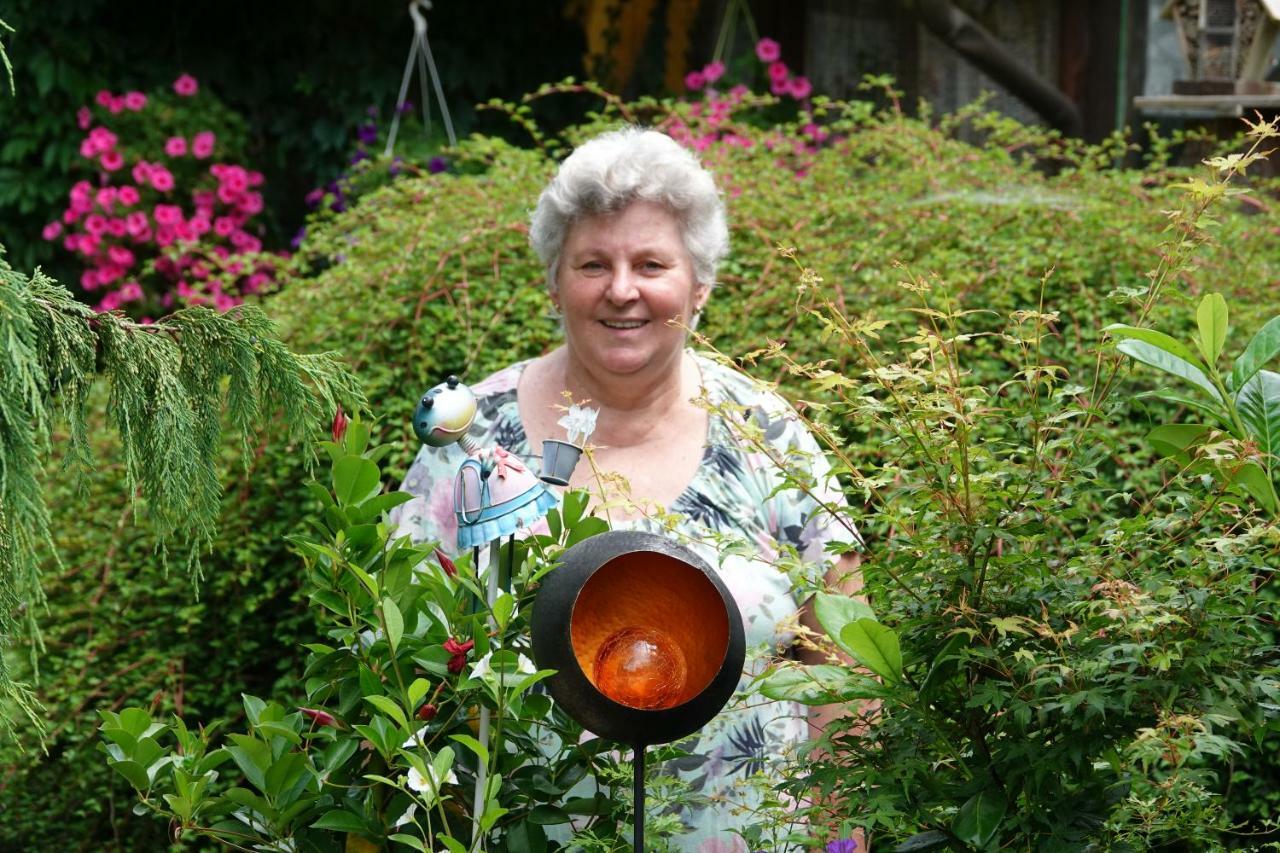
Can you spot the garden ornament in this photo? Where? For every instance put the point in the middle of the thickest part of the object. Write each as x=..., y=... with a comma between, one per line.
x=559, y=458
x=646, y=641
x=420, y=51
x=494, y=495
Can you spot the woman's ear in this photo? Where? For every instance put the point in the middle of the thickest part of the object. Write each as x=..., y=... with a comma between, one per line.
x=700, y=296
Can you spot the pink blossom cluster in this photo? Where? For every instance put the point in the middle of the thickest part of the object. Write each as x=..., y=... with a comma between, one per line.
x=781, y=81
x=183, y=229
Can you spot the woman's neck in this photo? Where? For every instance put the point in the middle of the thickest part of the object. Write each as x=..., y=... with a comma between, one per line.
x=631, y=407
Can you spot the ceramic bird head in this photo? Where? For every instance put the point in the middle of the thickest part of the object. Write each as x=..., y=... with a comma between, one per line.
x=444, y=413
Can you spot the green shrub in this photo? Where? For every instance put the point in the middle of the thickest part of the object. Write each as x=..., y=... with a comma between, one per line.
x=431, y=275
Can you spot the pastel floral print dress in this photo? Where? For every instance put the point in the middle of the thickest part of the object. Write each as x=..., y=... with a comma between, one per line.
x=734, y=515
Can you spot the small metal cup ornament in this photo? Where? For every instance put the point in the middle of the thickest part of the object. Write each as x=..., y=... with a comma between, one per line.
x=645, y=638
x=559, y=458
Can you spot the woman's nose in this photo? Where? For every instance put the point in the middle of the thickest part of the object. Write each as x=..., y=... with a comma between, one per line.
x=622, y=286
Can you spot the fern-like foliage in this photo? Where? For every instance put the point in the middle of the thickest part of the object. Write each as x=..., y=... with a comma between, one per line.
x=174, y=388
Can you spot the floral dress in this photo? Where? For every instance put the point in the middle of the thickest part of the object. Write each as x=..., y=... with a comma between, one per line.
x=734, y=515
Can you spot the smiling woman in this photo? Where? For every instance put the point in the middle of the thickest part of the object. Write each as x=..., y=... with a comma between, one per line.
x=630, y=232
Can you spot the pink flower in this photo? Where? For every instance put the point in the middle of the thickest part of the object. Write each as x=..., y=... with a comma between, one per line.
x=226, y=194
x=778, y=71
x=130, y=291
x=84, y=118
x=135, y=101
x=110, y=302
x=168, y=214
x=95, y=224
x=105, y=197
x=111, y=160
x=713, y=71
x=176, y=146
x=136, y=223
x=128, y=196
x=161, y=178
x=246, y=242
x=108, y=273
x=116, y=105
x=165, y=235
x=120, y=255
x=800, y=87
x=87, y=149
x=52, y=231
x=186, y=85
x=223, y=226
x=71, y=214
x=141, y=172
x=255, y=179
x=200, y=270
x=202, y=144
x=694, y=80
x=117, y=227
x=89, y=279
x=103, y=98
x=186, y=233
x=200, y=224
x=204, y=199
x=224, y=303
x=768, y=50
x=780, y=88
x=236, y=178
x=251, y=203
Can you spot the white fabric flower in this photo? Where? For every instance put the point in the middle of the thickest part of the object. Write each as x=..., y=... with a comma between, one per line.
x=482, y=668
x=579, y=423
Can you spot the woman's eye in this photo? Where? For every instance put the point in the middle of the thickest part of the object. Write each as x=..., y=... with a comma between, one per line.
x=592, y=266
x=652, y=266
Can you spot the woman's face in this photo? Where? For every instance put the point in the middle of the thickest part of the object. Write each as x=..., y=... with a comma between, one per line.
x=622, y=278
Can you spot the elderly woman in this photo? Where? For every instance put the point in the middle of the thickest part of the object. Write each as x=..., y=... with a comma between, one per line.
x=630, y=232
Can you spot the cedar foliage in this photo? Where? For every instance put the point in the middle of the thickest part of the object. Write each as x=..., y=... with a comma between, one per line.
x=169, y=384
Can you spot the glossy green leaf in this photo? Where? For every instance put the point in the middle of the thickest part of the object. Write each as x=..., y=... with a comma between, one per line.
x=923, y=841
x=1253, y=479
x=418, y=689
x=481, y=752
x=134, y=772
x=875, y=647
x=1162, y=360
x=527, y=837
x=341, y=821
x=979, y=818
x=394, y=622
x=1258, y=403
x=1260, y=351
x=452, y=843
x=1211, y=318
x=818, y=684
x=1174, y=439
x=1160, y=340
x=388, y=707
x=355, y=480
x=411, y=841
x=835, y=611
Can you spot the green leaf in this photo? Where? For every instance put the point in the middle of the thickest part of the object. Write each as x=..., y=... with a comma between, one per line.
x=527, y=837
x=875, y=647
x=1259, y=405
x=923, y=841
x=835, y=611
x=418, y=689
x=1211, y=317
x=1160, y=340
x=502, y=610
x=1264, y=346
x=480, y=750
x=388, y=707
x=979, y=818
x=342, y=821
x=134, y=772
x=408, y=840
x=453, y=844
x=395, y=622
x=1171, y=364
x=355, y=480
x=1253, y=480
x=1174, y=439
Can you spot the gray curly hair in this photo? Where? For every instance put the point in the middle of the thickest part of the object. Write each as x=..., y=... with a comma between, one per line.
x=609, y=172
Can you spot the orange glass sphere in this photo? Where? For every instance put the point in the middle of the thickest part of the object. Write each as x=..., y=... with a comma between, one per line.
x=641, y=668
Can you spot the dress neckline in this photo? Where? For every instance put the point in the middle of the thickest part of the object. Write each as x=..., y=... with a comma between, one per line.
x=690, y=489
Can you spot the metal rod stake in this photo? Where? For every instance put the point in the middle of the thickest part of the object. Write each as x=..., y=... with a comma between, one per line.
x=637, y=762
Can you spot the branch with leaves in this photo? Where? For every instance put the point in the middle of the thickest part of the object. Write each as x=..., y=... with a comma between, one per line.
x=172, y=389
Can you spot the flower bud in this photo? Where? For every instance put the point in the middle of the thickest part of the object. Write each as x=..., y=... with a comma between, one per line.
x=320, y=718
x=340, y=422
x=427, y=712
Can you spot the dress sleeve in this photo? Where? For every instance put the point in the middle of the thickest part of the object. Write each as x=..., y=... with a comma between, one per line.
x=429, y=515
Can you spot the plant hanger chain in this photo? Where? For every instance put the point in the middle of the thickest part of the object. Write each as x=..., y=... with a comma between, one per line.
x=420, y=52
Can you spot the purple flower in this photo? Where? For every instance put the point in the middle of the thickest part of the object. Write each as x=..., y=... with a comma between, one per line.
x=436, y=165
x=405, y=108
x=394, y=168
x=296, y=242
x=844, y=845
x=314, y=197
x=368, y=133
x=361, y=154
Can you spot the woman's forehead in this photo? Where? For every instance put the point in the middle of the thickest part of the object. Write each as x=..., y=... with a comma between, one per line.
x=637, y=225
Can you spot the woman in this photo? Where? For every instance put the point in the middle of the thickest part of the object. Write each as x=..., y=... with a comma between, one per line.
x=630, y=232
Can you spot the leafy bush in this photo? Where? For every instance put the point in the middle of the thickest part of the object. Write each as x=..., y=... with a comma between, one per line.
x=431, y=274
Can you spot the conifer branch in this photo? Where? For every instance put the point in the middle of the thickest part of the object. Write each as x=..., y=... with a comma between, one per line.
x=173, y=389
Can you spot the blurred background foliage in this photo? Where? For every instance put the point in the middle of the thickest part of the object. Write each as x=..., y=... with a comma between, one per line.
x=427, y=272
